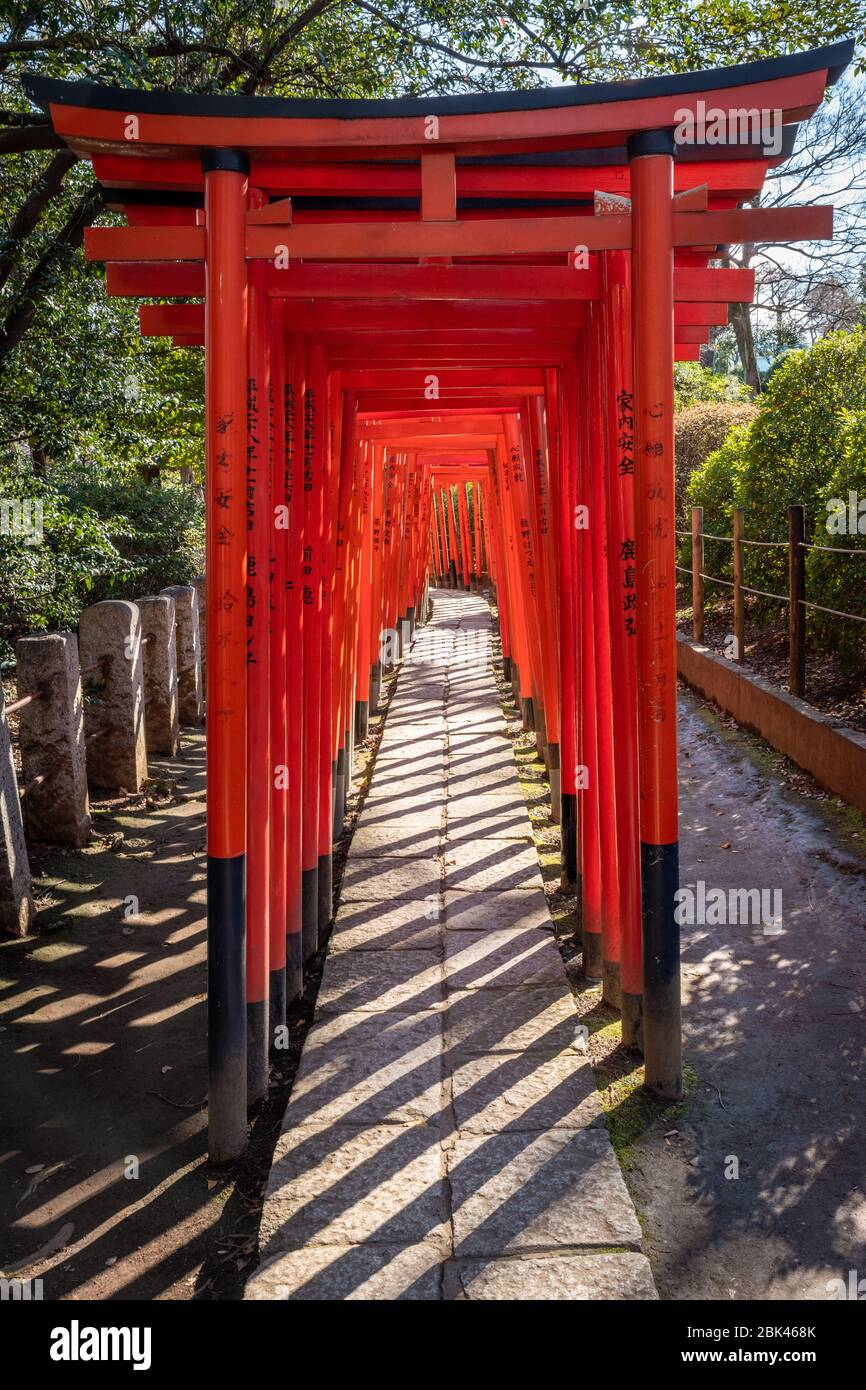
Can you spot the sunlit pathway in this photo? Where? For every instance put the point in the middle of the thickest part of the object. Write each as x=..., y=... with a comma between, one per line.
x=444, y=1137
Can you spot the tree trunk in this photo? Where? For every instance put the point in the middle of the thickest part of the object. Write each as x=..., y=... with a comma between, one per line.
x=740, y=318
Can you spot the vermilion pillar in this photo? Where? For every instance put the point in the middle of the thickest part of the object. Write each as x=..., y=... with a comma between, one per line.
x=567, y=500
x=330, y=502
x=225, y=180
x=365, y=598
x=260, y=769
x=292, y=425
x=605, y=692
x=622, y=565
x=311, y=582
x=281, y=789
x=651, y=165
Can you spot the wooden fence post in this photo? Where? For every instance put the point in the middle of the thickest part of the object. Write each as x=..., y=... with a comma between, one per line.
x=796, y=599
x=739, y=615
x=698, y=574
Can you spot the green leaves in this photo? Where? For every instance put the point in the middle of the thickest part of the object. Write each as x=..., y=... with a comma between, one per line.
x=807, y=445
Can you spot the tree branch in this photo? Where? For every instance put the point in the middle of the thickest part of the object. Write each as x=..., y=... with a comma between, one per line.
x=39, y=136
x=69, y=238
x=46, y=187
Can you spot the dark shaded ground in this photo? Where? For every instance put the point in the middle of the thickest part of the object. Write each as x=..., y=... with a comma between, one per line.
x=774, y=1032
x=103, y=1062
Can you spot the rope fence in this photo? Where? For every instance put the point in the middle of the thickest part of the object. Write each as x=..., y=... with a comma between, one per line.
x=798, y=605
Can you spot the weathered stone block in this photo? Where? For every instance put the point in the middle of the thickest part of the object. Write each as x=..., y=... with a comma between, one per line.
x=190, y=690
x=51, y=739
x=109, y=639
x=161, y=720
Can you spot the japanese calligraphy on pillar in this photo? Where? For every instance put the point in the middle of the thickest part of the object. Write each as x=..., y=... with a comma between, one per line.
x=254, y=561
x=625, y=467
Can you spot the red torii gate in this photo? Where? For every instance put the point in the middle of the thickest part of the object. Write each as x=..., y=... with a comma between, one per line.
x=499, y=280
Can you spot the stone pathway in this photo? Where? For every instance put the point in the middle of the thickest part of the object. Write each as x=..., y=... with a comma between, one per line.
x=444, y=1137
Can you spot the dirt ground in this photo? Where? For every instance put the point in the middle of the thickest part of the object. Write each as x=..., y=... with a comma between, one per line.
x=105, y=1191
x=830, y=687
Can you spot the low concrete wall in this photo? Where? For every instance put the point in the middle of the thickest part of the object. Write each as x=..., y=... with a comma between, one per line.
x=832, y=753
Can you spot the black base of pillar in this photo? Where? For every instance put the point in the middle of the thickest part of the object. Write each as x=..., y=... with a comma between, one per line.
x=294, y=967
x=555, y=782
x=662, y=1022
x=611, y=990
x=526, y=713
x=540, y=727
x=632, y=1022
x=226, y=1008
x=339, y=793
x=593, y=964
x=506, y=668
x=310, y=911
x=325, y=895
x=257, y=1051
x=277, y=995
x=375, y=685
x=568, y=838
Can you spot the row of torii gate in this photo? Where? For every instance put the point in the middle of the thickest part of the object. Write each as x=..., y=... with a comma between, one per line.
x=400, y=300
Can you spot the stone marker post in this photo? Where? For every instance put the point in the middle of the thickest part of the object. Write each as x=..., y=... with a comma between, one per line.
x=188, y=640
x=16, y=904
x=109, y=638
x=51, y=739
x=161, y=723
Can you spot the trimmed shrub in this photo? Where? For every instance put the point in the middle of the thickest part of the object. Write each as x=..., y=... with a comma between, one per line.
x=694, y=383
x=699, y=430
x=787, y=455
x=839, y=581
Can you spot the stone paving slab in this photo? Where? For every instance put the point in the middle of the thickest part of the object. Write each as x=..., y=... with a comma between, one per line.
x=338, y=1185
x=491, y=864
x=393, y=1031
x=501, y=959
x=497, y=823
x=395, y=840
x=512, y=1020
x=387, y=926
x=419, y=818
x=444, y=1137
x=386, y=1080
x=389, y=879
x=573, y=1278
x=490, y=911
x=376, y=981
x=338, y=1273
x=531, y=1091
x=403, y=779
x=478, y=804
x=513, y=1192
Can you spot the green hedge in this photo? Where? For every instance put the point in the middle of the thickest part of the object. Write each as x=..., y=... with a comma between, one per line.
x=805, y=446
x=105, y=534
